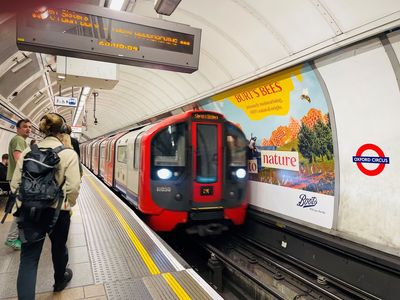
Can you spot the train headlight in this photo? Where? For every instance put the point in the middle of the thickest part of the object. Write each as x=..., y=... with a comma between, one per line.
x=164, y=174
x=241, y=173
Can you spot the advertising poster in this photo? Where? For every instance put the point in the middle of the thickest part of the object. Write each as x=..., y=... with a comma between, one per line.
x=291, y=162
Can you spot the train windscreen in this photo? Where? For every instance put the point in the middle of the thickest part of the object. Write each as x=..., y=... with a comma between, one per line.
x=207, y=153
x=168, y=153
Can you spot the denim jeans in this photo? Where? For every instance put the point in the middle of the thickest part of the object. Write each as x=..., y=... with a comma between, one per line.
x=13, y=233
x=30, y=255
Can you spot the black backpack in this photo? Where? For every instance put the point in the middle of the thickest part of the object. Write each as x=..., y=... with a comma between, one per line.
x=38, y=189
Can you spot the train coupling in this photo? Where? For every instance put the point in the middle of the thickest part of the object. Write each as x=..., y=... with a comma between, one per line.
x=207, y=229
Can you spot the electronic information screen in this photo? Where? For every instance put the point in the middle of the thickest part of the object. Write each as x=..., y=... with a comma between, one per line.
x=96, y=33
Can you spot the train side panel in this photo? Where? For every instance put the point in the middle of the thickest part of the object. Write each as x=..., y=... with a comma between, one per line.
x=83, y=153
x=110, y=159
x=133, y=166
x=90, y=154
x=96, y=157
x=103, y=146
x=120, y=164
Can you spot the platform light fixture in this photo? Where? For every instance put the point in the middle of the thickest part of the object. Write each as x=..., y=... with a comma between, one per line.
x=166, y=7
x=116, y=4
x=21, y=64
x=82, y=100
x=39, y=97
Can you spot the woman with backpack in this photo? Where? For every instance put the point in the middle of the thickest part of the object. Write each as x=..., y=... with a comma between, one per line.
x=45, y=213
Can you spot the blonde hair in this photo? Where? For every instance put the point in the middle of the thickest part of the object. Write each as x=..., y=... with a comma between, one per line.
x=65, y=139
x=51, y=124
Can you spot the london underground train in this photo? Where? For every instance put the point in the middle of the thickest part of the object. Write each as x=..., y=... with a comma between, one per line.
x=186, y=169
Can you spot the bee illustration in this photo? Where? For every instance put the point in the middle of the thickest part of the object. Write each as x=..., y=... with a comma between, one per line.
x=305, y=96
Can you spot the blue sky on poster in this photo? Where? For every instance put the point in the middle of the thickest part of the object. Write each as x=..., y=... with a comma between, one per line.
x=298, y=107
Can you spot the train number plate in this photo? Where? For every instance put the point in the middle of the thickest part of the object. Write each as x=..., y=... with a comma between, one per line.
x=206, y=190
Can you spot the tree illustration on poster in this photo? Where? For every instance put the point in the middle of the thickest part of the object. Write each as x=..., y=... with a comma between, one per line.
x=316, y=143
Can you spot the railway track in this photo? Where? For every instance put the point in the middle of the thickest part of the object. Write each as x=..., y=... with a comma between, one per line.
x=248, y=270
x=271, y=275
x=295, y=274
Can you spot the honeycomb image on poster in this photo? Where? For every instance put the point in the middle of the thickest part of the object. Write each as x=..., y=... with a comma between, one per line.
x=285, y=117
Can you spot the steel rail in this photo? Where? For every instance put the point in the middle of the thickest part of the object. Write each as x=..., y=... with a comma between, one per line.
x=292, y=260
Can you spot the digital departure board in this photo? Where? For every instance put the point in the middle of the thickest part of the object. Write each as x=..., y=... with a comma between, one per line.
x=96, y=33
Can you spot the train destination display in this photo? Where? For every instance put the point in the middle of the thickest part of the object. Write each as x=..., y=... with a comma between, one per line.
x=96, y=33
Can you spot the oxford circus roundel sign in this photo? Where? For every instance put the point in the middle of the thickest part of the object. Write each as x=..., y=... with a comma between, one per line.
x=381, y=160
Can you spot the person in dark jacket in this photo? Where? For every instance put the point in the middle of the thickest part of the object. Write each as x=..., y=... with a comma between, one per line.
x=4, y=185
x=3, y=167
x=74, y=141
x=75, y=145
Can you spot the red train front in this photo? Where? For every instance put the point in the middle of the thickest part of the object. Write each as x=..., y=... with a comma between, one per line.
x=187, y=169
x=194, y=171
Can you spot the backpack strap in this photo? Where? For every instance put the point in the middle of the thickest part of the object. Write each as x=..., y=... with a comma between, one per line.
x=58, y=208
x=34, y=148
x=59, y=149
x=60, y=196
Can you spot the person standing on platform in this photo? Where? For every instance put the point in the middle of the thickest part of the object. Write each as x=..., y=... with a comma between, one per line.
x=15, y=148
x=3, y=167
x=74, y=142
x=67, y=178
x=75, y=145
x=4, y=185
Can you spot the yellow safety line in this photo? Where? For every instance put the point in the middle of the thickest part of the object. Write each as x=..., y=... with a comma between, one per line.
x=136, y=242
x=176, y=287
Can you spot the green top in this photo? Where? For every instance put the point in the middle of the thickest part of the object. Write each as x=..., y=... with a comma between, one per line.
x=17, y=143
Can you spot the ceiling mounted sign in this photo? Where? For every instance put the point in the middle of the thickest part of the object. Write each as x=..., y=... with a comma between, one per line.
x=65, y=101
x=97, y=33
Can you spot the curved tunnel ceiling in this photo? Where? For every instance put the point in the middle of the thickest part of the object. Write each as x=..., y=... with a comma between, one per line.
x=241, y=40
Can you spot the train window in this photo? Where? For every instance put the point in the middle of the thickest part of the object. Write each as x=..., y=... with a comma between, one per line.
x=121, y=154
x=109, y=151
x=136, y=154
x=168, y=150
x=207, y=153
x=236, y=147
x=102, y=151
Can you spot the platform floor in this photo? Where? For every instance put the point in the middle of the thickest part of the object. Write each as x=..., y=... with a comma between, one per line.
x=112, y=253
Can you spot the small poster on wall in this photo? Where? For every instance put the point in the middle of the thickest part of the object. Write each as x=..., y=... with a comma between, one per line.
x=286, y=119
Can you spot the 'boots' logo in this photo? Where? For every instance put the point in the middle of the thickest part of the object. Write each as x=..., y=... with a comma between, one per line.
x=307, y=202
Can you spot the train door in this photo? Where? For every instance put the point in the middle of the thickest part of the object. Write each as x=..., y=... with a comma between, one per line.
x=88, y=155
x=133, y=167
x=110, y=159
x=90, y=165
x=95, y=158
x=102, y=158
x=107, y=163
x=207, y=162
x=120, y=168
x=83, y=153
